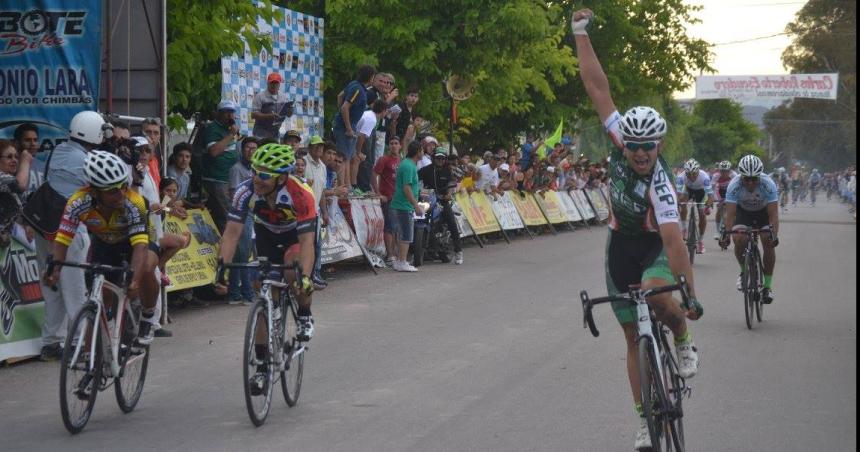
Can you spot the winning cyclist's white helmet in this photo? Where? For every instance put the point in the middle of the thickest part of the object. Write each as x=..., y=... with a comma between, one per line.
x=750, y=166
x=725, y=165
x=691, y=165
x=643, y=123
x=86, y=126
x=104, y=170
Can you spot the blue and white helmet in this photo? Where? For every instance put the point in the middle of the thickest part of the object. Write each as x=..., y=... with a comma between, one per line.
x=691, y=165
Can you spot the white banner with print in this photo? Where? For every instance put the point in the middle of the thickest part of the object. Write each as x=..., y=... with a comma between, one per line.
x=338, y=242
x=506, y=212
x=570, y=210
x=578, y=197
x=744, y=87
x=369, y=225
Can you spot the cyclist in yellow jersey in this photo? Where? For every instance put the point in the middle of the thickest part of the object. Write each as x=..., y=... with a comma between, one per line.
x=117, y=221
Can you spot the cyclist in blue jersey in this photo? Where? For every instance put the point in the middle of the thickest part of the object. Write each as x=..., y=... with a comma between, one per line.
x=752, y=201
x=695, y=185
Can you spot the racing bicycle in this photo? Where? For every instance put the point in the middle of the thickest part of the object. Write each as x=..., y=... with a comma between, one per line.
x=663, y=389
x=272, y=323
x=101, y=348
x=692, y=240
x=752, y=278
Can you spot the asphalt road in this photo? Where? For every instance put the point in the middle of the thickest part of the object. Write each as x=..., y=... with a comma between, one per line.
x=491, y=356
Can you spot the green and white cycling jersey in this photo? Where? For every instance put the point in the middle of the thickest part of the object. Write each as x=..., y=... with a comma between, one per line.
x=640, y=204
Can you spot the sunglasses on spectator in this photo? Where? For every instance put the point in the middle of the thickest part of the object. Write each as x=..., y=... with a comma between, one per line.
x=263, y=175
x=646, y=146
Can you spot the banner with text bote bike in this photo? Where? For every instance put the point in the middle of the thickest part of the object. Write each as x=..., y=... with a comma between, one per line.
x=193, y=266
x=22, y=308
x=49, y=64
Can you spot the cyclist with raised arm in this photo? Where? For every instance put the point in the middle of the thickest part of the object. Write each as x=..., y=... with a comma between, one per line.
x=752, y=202
x=117, y=220
x=645, y=245
x=721, y=179
x=695, y=185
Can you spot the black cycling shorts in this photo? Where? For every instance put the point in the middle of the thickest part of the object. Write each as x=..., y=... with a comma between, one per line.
x=696, y=195
x=755, y=219
x=272, y=245
x=114, y=255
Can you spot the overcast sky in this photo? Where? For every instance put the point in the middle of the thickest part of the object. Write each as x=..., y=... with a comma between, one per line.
x=727, y=21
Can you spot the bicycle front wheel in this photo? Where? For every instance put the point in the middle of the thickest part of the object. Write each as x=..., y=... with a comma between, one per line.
x=675, y=387
x=133, y=362
x=651, y=390
x=294, y=360
x=759, y=305
x=257, y=372
x=692, y=235
x=750, y=283
x=79, y=382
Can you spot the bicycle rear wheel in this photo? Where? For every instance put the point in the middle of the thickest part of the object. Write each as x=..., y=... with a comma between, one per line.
x=257, y=370
x=133, y=362
x=652, y=393
x=79, y=384
x=294, y=359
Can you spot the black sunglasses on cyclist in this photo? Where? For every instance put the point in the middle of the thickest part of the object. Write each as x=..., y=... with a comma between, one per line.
x=750, y=178
x=263, y=175
x=646, y=146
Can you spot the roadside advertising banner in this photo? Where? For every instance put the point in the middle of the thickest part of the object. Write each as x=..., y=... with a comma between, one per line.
x=599, y=203
x=338, y=242
x=478, y=212
x=506, y=212
x=569, y=208
x=369, y=226
x=49, y=64
x=462, y=223
x=528, y=208
x=193, y=266
x=578, y=197
x=745, y=87
x=22, y=308
x=551, y=206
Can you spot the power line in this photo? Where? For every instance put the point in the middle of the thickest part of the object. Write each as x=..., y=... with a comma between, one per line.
x=750, y=39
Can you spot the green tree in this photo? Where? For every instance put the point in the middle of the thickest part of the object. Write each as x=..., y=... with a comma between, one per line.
x=820, y=131
x=719, y=131
x=198, y=34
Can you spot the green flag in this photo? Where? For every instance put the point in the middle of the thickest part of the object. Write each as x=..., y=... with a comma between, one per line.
x=551, y=141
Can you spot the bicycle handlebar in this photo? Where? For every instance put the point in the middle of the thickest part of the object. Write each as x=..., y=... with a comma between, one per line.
x=631, y=296
x=263, y=265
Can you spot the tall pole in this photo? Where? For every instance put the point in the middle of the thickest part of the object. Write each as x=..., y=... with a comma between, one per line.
x=451, y=130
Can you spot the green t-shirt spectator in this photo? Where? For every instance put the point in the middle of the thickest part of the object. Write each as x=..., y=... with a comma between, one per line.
x=407, y=173
x=218, y=168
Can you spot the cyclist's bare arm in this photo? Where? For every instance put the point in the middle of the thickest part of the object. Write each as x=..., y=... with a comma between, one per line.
x=593, y=77
x=229, y=240
x=729, y=215
x=676, y=251
x=59, y=252
x=773, y=216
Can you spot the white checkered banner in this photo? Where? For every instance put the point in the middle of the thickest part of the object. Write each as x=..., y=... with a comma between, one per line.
x=297, y=54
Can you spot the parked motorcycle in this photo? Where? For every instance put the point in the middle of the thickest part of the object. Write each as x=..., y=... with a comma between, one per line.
x=432, y=239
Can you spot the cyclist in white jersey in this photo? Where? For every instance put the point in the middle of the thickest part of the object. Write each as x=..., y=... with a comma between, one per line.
x=720, y=183
x=752, y=201
x=695, y=185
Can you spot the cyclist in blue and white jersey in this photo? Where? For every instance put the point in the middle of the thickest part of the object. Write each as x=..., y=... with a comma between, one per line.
x=752, y=202
x=720, y=182
x=695, y=185
x=814, y=182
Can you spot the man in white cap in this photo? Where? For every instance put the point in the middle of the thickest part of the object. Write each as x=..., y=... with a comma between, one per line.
x=489, y=175
x=220, y=138
x=428, y=146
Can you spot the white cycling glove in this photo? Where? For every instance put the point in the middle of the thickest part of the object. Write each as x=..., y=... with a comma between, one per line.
x=578, y=26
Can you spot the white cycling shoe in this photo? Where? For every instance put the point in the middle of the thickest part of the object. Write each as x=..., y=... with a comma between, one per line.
x=741, y=281
x=643, y=438
x=306, y=328
x=688, y=359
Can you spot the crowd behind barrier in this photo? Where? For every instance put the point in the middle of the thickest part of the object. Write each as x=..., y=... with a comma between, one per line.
x=524, y=189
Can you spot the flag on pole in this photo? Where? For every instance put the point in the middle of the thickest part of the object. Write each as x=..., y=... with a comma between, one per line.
x=551, y=141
